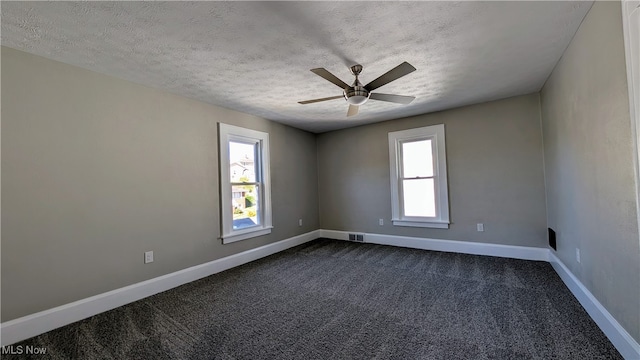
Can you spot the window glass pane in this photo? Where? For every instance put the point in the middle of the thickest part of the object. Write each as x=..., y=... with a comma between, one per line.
x=242, y=162
x=419, y=197
x=245, y=202
x=417, y=159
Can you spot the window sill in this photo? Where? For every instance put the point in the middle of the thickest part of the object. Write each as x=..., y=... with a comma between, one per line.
x=424, y=224
x=247, y=234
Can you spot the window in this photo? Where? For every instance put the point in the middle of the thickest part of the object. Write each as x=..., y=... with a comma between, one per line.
x=244, y=183
x=418, y=169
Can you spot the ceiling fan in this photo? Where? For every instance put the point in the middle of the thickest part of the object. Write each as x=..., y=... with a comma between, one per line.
x=357, y=94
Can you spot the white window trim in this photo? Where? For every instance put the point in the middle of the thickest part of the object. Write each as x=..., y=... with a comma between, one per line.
x=234, y=133
x=631, y=31
x=436, y=134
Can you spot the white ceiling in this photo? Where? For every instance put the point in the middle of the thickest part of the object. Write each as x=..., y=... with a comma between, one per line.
x=255, y=57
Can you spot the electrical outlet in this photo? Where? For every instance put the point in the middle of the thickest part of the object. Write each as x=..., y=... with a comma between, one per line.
x=578, y=255
x=148, y=257
x=299, y=222
x=480, y=227
x=381, y=222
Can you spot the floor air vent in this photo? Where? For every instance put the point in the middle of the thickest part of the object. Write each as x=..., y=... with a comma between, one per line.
x=356, y=237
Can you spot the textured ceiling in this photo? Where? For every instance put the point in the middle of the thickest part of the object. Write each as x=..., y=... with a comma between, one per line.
x=255, y=56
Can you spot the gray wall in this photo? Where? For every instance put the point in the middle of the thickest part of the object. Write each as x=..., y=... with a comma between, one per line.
x=495, y=173
x=97, y=170
x=589, y=165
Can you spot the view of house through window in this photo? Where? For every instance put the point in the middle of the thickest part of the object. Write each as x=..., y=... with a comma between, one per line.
x=244, y=187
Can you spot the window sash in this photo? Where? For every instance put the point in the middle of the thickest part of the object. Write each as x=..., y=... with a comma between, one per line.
x=402, y=199
x=257, y=145
x=402, y=178
x=401, y=149
x=259, y=210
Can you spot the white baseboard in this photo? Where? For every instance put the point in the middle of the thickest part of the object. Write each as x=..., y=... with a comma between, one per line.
x=41, y=322
x=335, y=234
x=618, y=336
x=463, y=247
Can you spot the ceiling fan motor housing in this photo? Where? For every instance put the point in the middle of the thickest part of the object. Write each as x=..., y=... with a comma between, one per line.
x=356, y=94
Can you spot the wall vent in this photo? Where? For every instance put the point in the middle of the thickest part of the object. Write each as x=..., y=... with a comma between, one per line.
x=552, y=238
x=356, y=237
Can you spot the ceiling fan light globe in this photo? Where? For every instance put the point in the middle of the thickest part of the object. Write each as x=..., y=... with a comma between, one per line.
x=356, y=95
x=357, y=100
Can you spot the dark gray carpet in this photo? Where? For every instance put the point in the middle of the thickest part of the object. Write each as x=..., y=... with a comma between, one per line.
x=332, y=299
